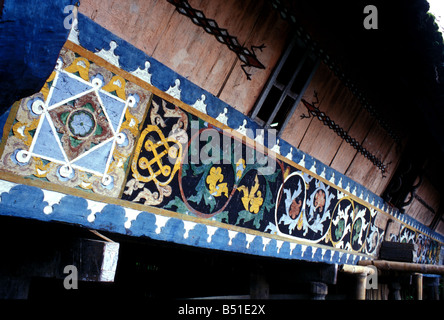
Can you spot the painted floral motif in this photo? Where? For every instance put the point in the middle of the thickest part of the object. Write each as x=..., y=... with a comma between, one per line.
x=319, y=201
x=295, y=208
x=240, y=168
x=215, y=176
x=290, y=213
x=340, y=227
x=234, y=192
x=357, y=227
x=252, y=199
x=361, y=219
x=339, y=231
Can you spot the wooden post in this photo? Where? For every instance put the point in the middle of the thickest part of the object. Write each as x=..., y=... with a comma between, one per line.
x=259, y=287
x=318, y=290
x=431, y=288
x=361, y=273
x=361, y=284
x=394, y=290
x=417, y=282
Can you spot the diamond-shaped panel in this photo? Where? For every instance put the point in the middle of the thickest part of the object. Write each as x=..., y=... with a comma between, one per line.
x=81, y=125
x=66, y=86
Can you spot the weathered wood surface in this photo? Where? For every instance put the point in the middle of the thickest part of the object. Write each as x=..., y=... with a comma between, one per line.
x=271, y=30
x=296, y=129
x=157, y=29
x=362, y=170
x=428, y=193
x=358, y=130
x=313, y=137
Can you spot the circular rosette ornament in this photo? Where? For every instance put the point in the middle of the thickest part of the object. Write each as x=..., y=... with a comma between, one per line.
x=81, y=123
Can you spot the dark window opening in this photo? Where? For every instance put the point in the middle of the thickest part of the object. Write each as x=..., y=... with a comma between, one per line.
x=286, y=86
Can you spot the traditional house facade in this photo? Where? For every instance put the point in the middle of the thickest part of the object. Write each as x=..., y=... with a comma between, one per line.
x=276, y=130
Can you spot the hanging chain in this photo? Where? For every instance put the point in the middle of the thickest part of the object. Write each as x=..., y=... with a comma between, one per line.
x=321, y=116
x=248, y=57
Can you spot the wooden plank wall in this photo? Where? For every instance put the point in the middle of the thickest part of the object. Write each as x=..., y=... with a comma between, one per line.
x=312, y=136
x=430, y=195
x=157, y=29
